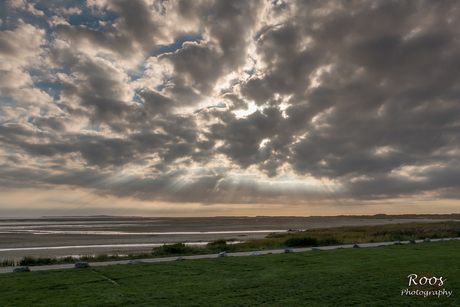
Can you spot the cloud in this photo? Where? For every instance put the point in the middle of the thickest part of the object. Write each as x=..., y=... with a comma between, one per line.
x=17, y=3
x=68, y=11
x=285, y=102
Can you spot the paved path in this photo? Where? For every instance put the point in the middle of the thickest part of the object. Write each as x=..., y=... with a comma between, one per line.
x=276, y=251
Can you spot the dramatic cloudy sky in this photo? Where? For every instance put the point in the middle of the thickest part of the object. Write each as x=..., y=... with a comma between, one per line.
x=229, y=107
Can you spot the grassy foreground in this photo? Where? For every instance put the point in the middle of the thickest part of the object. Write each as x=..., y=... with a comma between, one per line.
x=341, y=277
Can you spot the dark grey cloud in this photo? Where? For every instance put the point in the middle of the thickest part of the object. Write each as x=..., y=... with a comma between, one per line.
x=200, y=64
x=360, y=98
x=134, y=28
x=49, y=122
x=156, y=103
x=230, y=24
x=384, y=86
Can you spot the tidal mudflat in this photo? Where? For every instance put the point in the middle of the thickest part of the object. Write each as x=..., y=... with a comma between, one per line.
x=62, y=236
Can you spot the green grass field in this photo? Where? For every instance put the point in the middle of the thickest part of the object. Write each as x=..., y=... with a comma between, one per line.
x=340, y=277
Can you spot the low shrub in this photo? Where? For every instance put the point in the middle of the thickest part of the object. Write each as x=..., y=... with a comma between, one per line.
x=329, y=241
x=7, y=262
x=174, y=249
x=218, y=242
x=301, y=242
x=28, y=260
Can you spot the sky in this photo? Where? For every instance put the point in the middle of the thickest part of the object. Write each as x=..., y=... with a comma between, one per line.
x=203, y=108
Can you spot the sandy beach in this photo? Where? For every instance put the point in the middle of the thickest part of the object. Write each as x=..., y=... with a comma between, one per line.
x=63, y=236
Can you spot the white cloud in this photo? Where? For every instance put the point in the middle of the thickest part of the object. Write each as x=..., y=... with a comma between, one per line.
x=31, y=9
x=17, y=4
x=55, y=21
x=22, y=51
x=68, y=11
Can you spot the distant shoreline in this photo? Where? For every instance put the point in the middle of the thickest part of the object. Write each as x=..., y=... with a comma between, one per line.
x=379, y=215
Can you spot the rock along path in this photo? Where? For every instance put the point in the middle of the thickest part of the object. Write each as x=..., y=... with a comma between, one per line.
x=276, y=251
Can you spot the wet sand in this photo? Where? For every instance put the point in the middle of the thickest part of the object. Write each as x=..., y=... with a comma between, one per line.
x=95, y=235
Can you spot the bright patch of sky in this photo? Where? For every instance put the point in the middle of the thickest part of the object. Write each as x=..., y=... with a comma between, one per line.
x=252, y=107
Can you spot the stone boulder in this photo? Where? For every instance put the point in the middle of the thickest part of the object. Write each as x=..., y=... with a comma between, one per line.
x=288, y=250
x=81, y=265
x=223, y=254
x=21, y=269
